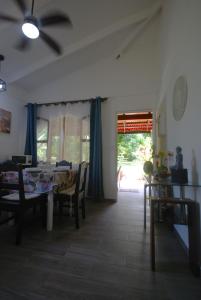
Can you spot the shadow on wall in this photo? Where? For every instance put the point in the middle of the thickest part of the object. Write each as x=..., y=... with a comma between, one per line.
x=198, y=232
x=195, y=176
x=195, y=180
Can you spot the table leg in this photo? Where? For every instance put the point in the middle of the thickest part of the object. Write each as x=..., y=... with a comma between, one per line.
x=50, y=204
x=194, y=241
x=182, y=207
x=149, y=191
x=152, y=236
x=11, y=222
x=145, y=207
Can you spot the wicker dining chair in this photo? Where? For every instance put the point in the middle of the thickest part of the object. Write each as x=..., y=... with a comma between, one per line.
x=75, y=195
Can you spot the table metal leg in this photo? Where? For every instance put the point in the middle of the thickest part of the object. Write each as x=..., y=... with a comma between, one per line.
x=50, y=204
x=149, y=192
x=194, y=241
x=145, y=207
x=182, y=207
x=152, y=236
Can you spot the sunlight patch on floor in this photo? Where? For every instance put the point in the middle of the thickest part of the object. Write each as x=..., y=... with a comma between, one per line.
x=130, y=180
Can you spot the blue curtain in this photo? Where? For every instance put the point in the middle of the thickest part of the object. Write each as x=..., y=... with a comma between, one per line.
x=31, y=138
x=95, y=188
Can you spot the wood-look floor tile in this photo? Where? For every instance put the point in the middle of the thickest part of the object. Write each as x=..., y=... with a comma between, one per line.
x=108, y=258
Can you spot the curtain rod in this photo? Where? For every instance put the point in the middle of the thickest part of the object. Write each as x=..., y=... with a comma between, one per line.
x=70, y=101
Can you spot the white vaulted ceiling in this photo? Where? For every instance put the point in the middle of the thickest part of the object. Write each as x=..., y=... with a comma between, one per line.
x=100, y=28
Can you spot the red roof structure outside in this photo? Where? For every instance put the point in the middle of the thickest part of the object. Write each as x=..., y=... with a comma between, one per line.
x=134, y=123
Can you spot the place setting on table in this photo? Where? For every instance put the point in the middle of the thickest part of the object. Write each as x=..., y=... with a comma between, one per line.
x=42, y=180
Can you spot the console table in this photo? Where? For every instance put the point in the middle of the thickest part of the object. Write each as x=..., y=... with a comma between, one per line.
x=192, y=221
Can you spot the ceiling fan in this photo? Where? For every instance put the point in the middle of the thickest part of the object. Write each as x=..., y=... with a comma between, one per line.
x=32, y=25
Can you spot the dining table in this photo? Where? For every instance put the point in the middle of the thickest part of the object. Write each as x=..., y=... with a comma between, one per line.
x=48, y=181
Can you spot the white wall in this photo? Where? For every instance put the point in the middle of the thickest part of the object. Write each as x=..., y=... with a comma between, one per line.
x=131, y=84
x=181, y=55
x=13, y=100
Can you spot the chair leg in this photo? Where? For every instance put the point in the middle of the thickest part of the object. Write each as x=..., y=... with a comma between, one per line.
x=83, y=208
x=44, y=214
x=76, y=210
x=34, y=209
x=70, y=207
x=60, y=207
x=20, y=221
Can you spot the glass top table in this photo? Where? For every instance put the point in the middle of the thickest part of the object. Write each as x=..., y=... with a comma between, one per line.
x=192, y=220
x=163, y=189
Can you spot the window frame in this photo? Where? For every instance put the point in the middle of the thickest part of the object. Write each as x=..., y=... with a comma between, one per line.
x=43, y=141
x=85, y=140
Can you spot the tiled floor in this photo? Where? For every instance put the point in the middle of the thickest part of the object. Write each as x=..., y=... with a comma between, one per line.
x=108, y=258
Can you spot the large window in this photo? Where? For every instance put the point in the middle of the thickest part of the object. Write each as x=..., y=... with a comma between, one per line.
x=85, y=139
x=63, y=137
x=42, y=139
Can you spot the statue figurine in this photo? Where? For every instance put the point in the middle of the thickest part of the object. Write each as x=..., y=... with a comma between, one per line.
x=179, y=159
x=178, y=173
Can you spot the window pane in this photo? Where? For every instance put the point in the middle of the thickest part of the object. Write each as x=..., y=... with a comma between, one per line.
x=85, y=151
x=72, y=149
x=85, y=129
x=55, y=148
x=42, y=130
x=42, y=151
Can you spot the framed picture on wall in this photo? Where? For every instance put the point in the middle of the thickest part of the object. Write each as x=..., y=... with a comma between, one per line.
x=5, y=121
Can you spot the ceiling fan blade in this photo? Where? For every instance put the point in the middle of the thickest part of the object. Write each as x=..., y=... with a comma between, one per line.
x=8, y=18
x=23, y=44
x=56, y=18
x=50, y=42
x=21, y=5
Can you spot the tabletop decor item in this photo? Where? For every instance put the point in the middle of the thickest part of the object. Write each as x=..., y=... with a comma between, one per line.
x=148, y=167
x=42, y=181
x=178, y=173
x=162, y=159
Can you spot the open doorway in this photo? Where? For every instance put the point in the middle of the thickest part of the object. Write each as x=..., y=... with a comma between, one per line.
x=134, y=147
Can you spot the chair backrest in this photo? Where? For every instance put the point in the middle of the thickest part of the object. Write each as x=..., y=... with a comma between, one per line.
x=81, y=178
x=15, y=182
x=64, y=163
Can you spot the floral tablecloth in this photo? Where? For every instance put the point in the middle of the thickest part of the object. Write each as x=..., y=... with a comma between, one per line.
x=42, y=181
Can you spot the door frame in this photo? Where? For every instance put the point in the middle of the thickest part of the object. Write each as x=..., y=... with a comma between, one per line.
x=154, y=134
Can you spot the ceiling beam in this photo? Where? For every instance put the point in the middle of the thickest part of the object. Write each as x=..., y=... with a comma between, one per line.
x=133, y=36
x=135, y=18
x=146, y=116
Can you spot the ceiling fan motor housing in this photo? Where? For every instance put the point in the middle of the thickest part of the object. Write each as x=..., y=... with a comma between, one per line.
x=30, y=27
x=31, y=20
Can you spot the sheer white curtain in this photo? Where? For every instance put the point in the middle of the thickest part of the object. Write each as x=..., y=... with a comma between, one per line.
x=68, y=127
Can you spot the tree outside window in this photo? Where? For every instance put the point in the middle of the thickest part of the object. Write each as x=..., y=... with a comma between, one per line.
x=42, y=139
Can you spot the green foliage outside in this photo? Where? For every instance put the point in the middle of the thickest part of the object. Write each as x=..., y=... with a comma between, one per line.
x=42, y=137
x=133, y=148
x=41, y=151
